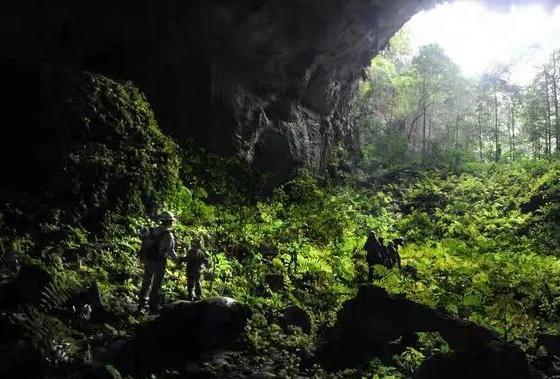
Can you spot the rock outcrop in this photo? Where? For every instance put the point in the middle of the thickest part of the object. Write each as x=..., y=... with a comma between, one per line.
x=184, y=332
x=295, y=316
x=82, y=143
x=267, y=80
x=369, y=322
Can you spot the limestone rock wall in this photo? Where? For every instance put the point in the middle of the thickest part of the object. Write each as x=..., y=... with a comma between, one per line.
x=267, y=80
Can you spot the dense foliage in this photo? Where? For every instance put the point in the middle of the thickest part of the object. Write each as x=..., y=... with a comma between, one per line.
x=482, y=238
x=419, y=107
x=475, y=251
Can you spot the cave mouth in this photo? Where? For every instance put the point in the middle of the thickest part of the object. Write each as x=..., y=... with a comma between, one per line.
x=464, y=81
x=226, y=75
x=274, y=83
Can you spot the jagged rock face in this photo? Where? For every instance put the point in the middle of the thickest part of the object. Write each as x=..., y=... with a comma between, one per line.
x=267, y=80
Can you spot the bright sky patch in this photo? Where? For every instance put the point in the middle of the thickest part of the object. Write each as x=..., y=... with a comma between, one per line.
x=476, y=37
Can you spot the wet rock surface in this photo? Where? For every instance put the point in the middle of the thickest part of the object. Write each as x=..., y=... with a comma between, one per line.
x=184, y=331
x=369, y=322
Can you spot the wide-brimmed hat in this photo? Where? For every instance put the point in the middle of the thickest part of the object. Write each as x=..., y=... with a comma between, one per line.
x=166, y=216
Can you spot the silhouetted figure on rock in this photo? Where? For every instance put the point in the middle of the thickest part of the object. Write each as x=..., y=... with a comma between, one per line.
x=384, y=252
x=157, y=246
x=374, y=253
x=393, y=256
x=196, y=259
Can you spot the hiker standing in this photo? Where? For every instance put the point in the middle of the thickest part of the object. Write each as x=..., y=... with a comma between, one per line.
x=393, y=258
x=398, y=242
x=157, y=245
x=374, y=252
x=196, y=259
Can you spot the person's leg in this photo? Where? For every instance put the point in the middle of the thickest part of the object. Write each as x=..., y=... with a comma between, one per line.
x=370, y=273
x=147, y=281
x=197, y=288
x=190, y=286
x=155, y=296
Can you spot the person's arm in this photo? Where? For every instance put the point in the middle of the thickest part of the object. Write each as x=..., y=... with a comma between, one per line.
x=205, y=259
x=166, y=245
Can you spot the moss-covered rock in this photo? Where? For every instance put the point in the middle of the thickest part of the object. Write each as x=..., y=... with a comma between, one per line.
x=98, y=149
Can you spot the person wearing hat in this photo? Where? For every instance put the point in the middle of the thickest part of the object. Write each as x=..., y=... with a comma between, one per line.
x=159, y=245
x=196, y=259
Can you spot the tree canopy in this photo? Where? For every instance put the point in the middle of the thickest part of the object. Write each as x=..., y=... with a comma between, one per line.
x=419, y=108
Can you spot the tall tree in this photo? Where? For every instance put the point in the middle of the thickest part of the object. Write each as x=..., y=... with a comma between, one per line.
x=494, y=80
x=546, y=76
x=535, y=116
x=555, y=79
x=436, y=73
x=513, y=100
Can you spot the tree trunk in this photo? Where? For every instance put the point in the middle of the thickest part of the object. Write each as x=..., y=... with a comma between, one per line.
x=509, y=135
x=548, y=147
x=496, y=127
x=513, y=132
x=480, y=135
x=457, y=132
x=430, y=129
x=555, y=75
x=424, y=119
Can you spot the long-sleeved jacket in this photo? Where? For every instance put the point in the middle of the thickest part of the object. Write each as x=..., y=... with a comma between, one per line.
x=196, y=258
x=166, y=242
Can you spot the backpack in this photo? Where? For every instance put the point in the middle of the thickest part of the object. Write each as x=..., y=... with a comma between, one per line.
x=195, y=259
x=149, y=246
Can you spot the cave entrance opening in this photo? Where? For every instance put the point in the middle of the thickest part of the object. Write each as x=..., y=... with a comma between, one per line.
x=465, y=81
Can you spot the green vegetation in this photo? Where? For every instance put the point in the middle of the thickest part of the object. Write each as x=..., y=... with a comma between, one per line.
x=417, y=107
x=473, y=251
x=483, y=238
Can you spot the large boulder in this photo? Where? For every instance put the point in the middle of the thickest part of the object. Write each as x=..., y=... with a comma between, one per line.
x=91, y=146
x=87, y=304
x=184, y=331
x=367, y=324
